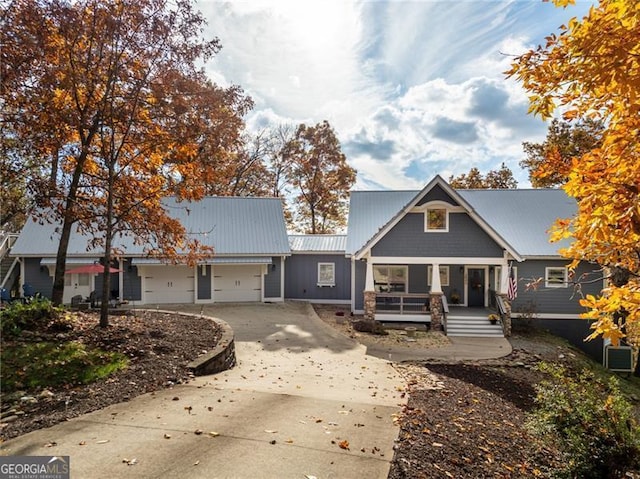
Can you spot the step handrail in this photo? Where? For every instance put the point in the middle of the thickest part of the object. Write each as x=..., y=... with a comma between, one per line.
x=9, y=271
x=7, y=242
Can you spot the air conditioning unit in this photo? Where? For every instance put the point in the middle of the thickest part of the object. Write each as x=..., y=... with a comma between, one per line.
x=618, y=358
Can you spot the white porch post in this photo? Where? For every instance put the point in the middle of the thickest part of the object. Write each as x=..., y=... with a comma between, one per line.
x=121, y=280
x=368, y=282
x=436, y=286
x=504, y=277
x=369, y=292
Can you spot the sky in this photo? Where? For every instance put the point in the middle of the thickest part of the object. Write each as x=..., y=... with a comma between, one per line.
x=411, y=88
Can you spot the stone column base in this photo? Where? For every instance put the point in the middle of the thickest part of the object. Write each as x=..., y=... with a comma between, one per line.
x=370, y=305
x=435, y=304
x=506, y=319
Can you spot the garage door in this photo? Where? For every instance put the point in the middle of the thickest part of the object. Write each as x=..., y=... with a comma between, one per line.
x=237, y=283
x=168, y=284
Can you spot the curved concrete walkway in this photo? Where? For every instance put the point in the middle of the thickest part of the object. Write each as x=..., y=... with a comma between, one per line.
x=460, y=349
x=300, y=389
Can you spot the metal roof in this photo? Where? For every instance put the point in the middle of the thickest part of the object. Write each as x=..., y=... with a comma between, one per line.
x=69, y=261
x=216, y=260
x=521, y=217
x=318, y=243
x=371, y=210
x=231, y=225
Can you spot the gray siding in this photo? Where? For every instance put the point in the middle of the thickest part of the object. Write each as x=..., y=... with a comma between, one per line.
x=437, y=194
x=272, y=279
x=465, y=238
x=37, y=277
x=418, y=278
x=573, y=330
x=132, y=283
x=301, y=277
x=204, y=282
x=551, y=300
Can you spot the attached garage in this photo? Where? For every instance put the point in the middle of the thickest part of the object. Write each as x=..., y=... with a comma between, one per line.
x=168, y=284
x=236, y=283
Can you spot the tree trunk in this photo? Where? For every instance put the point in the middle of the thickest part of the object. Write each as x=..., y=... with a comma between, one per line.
x=61, y=256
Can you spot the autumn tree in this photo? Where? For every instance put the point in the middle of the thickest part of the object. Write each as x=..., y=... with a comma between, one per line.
x=320, y=177
x=591, y=69
x=549, y=162
x=501, y=178
x=109, y=97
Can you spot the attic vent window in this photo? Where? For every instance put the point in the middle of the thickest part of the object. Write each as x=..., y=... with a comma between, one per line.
x=437, y=219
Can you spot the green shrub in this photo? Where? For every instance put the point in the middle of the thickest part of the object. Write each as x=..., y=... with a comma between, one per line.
x=40, y=312
x=46, y=364
x=589, y=421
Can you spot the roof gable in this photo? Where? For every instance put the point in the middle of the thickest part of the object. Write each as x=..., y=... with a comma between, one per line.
x=436, y=190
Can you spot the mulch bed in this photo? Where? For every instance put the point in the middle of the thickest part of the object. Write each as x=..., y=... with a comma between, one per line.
x=471, y=423
x=159, y=347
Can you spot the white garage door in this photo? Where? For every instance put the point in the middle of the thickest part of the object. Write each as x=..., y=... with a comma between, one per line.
x=168, y=284
x=236, y=283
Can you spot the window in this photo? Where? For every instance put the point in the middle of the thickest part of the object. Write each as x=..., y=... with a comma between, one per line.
x=83, y=279
x=326, y=274
x=555, y=277
x=437, y=219
x=67, y=280
x=444, y=275
x=390, y=279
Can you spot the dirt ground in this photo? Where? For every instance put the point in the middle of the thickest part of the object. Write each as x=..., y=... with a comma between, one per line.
x=396, y=337
x=466, y=419
x=159, y=347
x=462, y=420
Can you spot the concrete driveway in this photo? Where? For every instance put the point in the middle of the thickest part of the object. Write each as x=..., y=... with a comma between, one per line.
x=300, y=390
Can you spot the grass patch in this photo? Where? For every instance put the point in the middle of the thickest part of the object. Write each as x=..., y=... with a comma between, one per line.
x=48, y=364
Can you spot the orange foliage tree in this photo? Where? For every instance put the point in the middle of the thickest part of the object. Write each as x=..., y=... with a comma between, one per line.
x=549, y=162
x=109, y=98
x=591, y=69
x=320, y=176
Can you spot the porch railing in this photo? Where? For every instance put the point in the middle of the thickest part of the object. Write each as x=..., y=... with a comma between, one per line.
x=402, y=303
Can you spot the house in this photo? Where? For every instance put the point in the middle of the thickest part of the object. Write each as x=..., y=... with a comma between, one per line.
x=248, y=236
x=398, y=240
x=406, y=255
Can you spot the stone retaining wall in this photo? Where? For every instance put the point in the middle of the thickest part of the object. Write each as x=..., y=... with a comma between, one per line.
x=221, y=357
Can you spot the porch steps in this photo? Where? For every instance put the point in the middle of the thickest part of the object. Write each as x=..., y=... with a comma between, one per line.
x=473, y=326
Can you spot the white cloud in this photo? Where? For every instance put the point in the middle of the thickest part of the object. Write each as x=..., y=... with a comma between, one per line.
x=412, y=88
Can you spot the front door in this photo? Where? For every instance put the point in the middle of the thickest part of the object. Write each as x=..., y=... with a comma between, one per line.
x=475, y=287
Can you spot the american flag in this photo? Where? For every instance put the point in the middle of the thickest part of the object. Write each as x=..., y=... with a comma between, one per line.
x=512, y=290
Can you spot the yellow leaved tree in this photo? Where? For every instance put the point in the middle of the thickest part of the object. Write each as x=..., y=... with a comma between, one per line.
x=591, y=70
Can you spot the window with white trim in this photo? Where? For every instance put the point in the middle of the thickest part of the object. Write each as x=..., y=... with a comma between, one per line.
x=390, y=279
x=555, y=277
x=444, y=275
x=326, y=274
x=437, y=219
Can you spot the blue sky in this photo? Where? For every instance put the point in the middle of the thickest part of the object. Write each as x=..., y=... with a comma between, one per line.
x=413, y=89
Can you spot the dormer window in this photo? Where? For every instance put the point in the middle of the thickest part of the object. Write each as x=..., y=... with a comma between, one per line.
x=437, y=219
